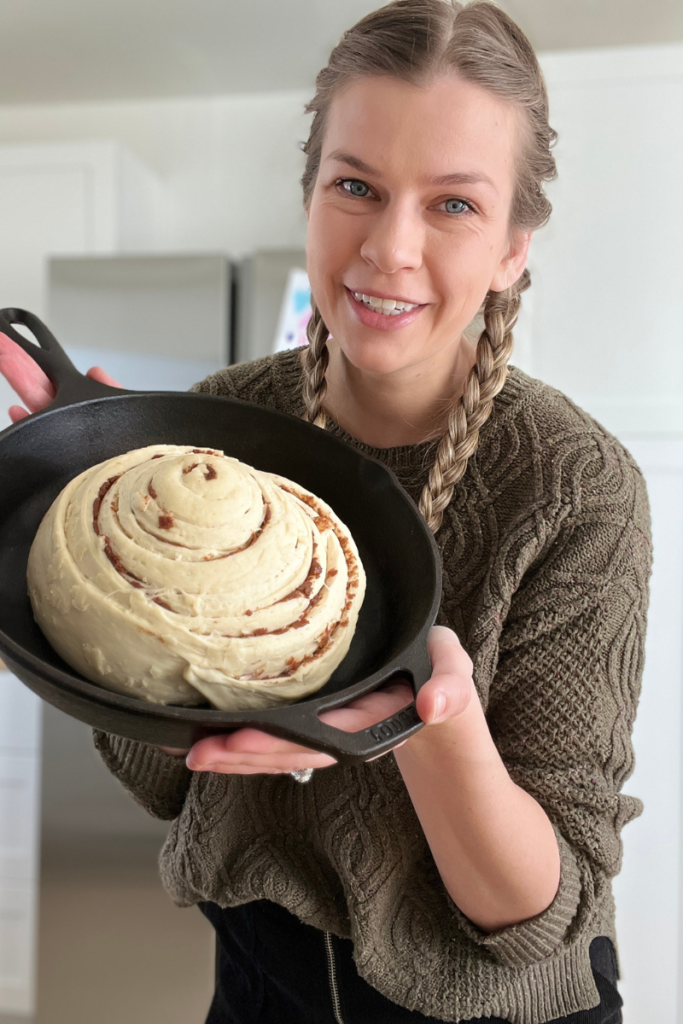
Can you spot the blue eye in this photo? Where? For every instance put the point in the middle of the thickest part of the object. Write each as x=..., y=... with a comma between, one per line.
x=355, y=187
x=456, y=206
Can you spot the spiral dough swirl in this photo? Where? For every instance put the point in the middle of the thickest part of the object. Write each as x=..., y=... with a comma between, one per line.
x=178, y=575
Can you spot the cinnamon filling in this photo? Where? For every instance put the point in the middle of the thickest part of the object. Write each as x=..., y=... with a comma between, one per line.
x=210, y=472
x=97, y=503
x=254, y=537
x=115, y=560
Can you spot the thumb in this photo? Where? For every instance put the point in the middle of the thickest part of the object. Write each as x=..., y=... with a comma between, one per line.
x=450, y=688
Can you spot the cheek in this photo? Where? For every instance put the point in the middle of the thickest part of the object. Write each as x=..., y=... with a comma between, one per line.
x=462, y=269
x=321, y=249
x=333, y=238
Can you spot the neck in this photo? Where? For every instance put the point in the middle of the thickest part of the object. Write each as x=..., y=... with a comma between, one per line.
x=400, y=408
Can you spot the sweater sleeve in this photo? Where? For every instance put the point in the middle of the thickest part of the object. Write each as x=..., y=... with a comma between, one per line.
x=563, y=701
x=157, y=781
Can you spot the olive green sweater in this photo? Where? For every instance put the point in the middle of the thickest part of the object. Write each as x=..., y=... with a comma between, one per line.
x=546, y=556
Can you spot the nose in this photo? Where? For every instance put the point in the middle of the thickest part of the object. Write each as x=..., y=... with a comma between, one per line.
x=395, y=238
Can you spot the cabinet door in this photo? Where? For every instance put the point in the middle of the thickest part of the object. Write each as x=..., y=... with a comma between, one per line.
x=42, y=210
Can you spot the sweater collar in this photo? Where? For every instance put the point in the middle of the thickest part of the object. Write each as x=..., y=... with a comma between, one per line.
x=419, y=457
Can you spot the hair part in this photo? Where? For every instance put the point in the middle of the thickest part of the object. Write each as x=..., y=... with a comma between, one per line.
x=417, y=41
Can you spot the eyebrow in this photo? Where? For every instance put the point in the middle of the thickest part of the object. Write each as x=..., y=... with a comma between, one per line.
x=457, y=178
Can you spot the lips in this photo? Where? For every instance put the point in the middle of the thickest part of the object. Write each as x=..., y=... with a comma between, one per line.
x=387, y=306
x=383, y=321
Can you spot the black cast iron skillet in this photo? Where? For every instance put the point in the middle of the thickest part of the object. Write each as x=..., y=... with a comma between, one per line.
x=89, y=422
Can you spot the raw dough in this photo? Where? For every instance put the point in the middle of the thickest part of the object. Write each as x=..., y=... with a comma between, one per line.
x=179, y=575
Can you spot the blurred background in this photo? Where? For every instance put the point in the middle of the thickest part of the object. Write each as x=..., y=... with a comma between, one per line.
x=150, y=211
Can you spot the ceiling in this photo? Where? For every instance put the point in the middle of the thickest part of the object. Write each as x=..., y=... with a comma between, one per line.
x=87, y=50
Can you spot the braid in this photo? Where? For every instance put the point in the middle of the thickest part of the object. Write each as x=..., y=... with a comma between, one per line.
x=315, y=360
x=468, y=413
x=471, y=410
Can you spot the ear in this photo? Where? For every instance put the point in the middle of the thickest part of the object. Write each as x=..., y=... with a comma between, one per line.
x=512, y=266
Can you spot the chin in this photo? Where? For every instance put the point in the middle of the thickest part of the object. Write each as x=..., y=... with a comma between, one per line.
x=377, y=357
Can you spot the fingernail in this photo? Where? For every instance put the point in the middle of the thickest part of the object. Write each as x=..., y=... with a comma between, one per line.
x=201, y=767
x=439, y=706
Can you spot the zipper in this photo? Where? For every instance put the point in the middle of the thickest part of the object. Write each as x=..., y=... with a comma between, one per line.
x=332, y=975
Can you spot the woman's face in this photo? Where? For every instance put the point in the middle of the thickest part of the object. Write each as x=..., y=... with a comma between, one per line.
x=412, y=203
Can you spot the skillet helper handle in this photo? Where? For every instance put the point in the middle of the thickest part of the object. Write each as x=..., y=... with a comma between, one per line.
x=70, y=385
x=357, y=747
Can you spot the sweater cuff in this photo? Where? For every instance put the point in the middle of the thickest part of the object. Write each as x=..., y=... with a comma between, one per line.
x=533, y=941
x=157, y=780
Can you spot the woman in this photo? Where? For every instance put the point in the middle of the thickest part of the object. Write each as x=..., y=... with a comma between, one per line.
x=465, y=876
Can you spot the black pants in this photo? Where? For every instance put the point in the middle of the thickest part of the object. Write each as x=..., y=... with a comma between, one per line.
x=272, y=969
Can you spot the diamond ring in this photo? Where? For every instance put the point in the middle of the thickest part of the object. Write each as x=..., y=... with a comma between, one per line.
x=303, y=775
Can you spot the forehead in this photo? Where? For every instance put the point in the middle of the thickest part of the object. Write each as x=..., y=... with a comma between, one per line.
x=423, y=131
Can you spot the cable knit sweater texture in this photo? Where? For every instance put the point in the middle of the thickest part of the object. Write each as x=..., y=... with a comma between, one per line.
x=546, y=554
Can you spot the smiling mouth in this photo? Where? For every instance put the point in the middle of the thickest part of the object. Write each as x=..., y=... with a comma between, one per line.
x=387, y=307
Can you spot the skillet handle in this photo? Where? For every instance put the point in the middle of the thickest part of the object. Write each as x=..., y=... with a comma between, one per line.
x=70, y=385
x=356, y=747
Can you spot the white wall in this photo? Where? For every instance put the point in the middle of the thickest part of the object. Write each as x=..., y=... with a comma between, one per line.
x=607, y=295
x=230, y=165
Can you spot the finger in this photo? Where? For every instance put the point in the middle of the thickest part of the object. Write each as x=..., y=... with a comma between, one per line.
x=97, y=373
x=251, y=764
x=16, y=413
x=225, y=768
x=371, y=708
x=24, y=376
x=253, y=746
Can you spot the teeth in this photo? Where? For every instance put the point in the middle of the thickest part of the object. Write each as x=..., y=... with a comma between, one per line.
x=388, y=307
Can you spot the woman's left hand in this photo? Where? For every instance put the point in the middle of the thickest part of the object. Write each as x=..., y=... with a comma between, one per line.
x=445, y=695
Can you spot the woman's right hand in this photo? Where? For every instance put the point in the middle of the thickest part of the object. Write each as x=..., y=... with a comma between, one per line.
x=28, y=380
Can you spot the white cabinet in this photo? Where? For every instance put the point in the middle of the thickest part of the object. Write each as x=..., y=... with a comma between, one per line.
x=20, y=737
x=57, y=199
x=607, y=302
x=68, y=198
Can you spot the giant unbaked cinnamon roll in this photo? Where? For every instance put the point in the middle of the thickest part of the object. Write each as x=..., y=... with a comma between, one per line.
x=179, y=575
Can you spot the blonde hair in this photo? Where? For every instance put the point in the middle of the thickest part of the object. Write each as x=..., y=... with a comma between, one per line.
x=414, y=41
